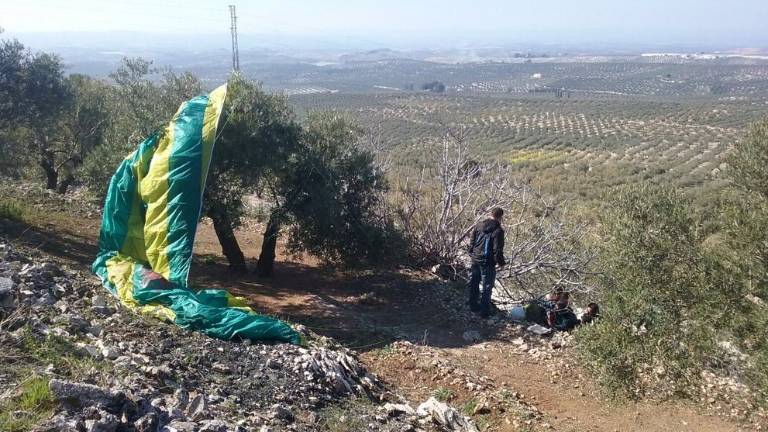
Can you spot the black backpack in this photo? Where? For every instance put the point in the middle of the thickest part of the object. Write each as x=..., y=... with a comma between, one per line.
x=483, y=243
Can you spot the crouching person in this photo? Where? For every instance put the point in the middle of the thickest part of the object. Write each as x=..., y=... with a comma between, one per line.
x=555, y=313
x=591, y=314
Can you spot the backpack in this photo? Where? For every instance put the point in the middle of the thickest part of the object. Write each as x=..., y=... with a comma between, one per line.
x=483, y=242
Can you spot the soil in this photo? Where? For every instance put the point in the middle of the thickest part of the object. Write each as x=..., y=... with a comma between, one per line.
x=368, y=310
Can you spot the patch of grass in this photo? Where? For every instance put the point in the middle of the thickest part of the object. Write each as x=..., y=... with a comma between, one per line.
x=443, y=394
x=35, y=394
x=384, y=351
x=345, y=417
x=33, y=404
x=482, y=422
x=506, y=396
x=469, y=407
x=11, y=210
x=56, y=350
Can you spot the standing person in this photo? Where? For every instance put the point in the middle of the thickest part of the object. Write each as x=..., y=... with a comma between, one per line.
x=486, y=248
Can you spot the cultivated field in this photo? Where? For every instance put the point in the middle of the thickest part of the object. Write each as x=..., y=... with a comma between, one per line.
x=574, y=128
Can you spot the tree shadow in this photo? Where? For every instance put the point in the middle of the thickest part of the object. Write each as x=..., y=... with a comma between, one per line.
x=364, y=310
x=73, y=248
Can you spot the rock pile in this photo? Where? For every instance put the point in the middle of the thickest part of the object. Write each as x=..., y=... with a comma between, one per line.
x=137, y=374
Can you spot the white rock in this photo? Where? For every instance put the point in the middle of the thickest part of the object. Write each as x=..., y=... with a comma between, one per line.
x=446, y=416
x=391, y=408
x=99, y=301
x=197, y=408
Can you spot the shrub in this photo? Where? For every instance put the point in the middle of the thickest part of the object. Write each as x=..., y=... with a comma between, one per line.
x=11, y=210
x=745, y=210
x=670, y=296
x=335, y=197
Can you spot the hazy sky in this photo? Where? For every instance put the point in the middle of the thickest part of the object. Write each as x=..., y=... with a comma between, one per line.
x=740, y=21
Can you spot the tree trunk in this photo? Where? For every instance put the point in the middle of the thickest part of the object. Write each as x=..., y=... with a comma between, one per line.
x=64, y=185
x=51, y=176
x=266, y=265
x=66, y=173
x=223, y=227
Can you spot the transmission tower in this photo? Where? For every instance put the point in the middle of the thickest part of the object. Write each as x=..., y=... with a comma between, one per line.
x=235, y=49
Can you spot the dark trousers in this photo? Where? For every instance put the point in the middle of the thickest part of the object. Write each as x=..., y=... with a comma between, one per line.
x=487, y=275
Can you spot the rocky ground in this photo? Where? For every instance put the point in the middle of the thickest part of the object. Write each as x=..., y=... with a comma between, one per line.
x=108, y=369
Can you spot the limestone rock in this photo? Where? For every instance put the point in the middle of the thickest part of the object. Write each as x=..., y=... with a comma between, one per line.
x=445, y=416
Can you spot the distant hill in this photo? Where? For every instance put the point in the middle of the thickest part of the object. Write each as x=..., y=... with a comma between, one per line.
x=374, y=55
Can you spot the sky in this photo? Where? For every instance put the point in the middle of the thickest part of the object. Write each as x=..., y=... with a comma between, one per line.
x=738, y=22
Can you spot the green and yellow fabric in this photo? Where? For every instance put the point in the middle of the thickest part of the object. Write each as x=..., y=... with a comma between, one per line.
x=148, y=230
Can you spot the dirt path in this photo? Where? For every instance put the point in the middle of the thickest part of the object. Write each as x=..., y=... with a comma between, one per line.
x=571, y=403
x=565, y=401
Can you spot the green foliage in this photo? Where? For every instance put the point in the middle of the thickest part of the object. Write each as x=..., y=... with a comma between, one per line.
x=687, y=288
x=315, y=179
x=141, y=102
x=258, y=137
x=35, y=395
x=34, y=94
x=669, y=298
x=32, y=86
x=11, y=210
x=748, y=165
x=469, y=407
x=32, y=404
x=345, y=417
x=443, y=394
x=745, y=210
x=333, y=193
x=48, y=120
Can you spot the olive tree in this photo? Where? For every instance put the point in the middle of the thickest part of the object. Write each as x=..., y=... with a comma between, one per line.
x=329, y=195
x=141, y=101
x=316, y=180
x=81, y=127
x=34, y=94
x=456, y=189
x=257, y=138
x=746, y=216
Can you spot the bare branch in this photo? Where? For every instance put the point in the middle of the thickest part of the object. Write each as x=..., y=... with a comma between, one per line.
x=438, y=213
